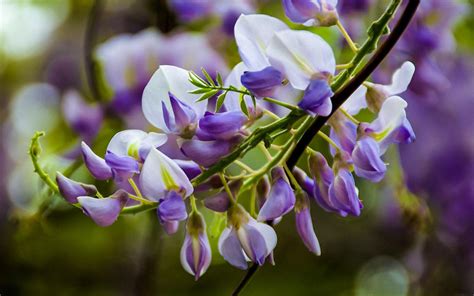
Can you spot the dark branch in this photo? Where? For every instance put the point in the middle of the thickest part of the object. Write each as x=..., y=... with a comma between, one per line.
x=90, y=36
x=340, y=97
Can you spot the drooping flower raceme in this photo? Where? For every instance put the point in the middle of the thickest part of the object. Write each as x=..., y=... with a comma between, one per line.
x=207, y=123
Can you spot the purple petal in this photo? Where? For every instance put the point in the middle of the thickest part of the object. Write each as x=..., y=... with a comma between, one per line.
x=367, y=162
x=83, y=118
x=184, y=115
x=96, y=165
x=280, y=201
x=71, y=189
x=196, y=254
x=300, y=11
x=257, y=239
x=123, y=167
x=172, y=208
x=103, y=211
x=206, y=153
x=218, y=203
x=230, y=248
x=262, y=83
x=304, y=226
x=317, y=98
x=221, y=126
x=170, y=227
x=343, y=193
x=323, y=177
x=189, y=167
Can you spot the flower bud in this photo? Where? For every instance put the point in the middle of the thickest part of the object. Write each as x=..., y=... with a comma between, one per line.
x=304, y=224
x=71, y=189
x=367, y=161
x=281, y=198
x=96, y=165
x=196, y=251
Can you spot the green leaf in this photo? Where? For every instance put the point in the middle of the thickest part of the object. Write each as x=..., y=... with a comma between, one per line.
x=254, y=101
x=208, y=77
x=220, y=100
x=207, y=95
x=196, y=80
x=219, y=79
x=243, y=105
x=199, y=91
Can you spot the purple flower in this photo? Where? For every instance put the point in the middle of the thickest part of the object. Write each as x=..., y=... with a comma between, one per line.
x=83, y=118
x=71, y=189
x=317, y=98
x=104, y=211
x=262, y=83
x=220, y=202
x=220, y=126
x=184, y=119
x=323, y=177
x=245, y=238
x=280, y=200
x=304, y=224
x=196, y=251
x=96, y=165
x=189, y=167
x=190, y=10
x=311, y=12
x=123, y=167
x=160, y=175
x=172, y=208
x=367, y=161
x=343, y=132
x=206, y=153
x=343, y=193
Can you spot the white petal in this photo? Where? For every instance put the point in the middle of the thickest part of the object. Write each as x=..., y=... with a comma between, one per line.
x=121, y=141
x=253, y=33
x=182, y=255
x=401, y=79
x=267, y=232
x=356, y=101
x=391, y=115
x=158, y=170
x=232, y=102
x=168, y=79
x=300, y=55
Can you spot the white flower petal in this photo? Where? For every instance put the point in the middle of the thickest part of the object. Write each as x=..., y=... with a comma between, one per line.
x=401, y=79
x=168, y=79
x=300, y=55
x=121, y=141
x=267, y=232
x=158, y=172
x=356, y=101
x=391, y=115
x=232, y=99
x=253, y=33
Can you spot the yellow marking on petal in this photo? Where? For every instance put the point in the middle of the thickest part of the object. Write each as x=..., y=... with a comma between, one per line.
x=168, y=180
x=133, y=150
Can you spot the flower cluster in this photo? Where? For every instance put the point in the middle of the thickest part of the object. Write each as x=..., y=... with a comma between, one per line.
x=207, y=123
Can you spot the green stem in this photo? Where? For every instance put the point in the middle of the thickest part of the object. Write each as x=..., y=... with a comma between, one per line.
x=328, y=139
x=280, y=103
x=35, y=151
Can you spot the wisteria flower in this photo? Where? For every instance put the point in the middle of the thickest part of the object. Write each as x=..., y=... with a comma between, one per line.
x=245, y=238
x=311, y=12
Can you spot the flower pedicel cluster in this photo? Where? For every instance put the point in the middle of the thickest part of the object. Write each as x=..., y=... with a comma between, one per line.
x=199, y=142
